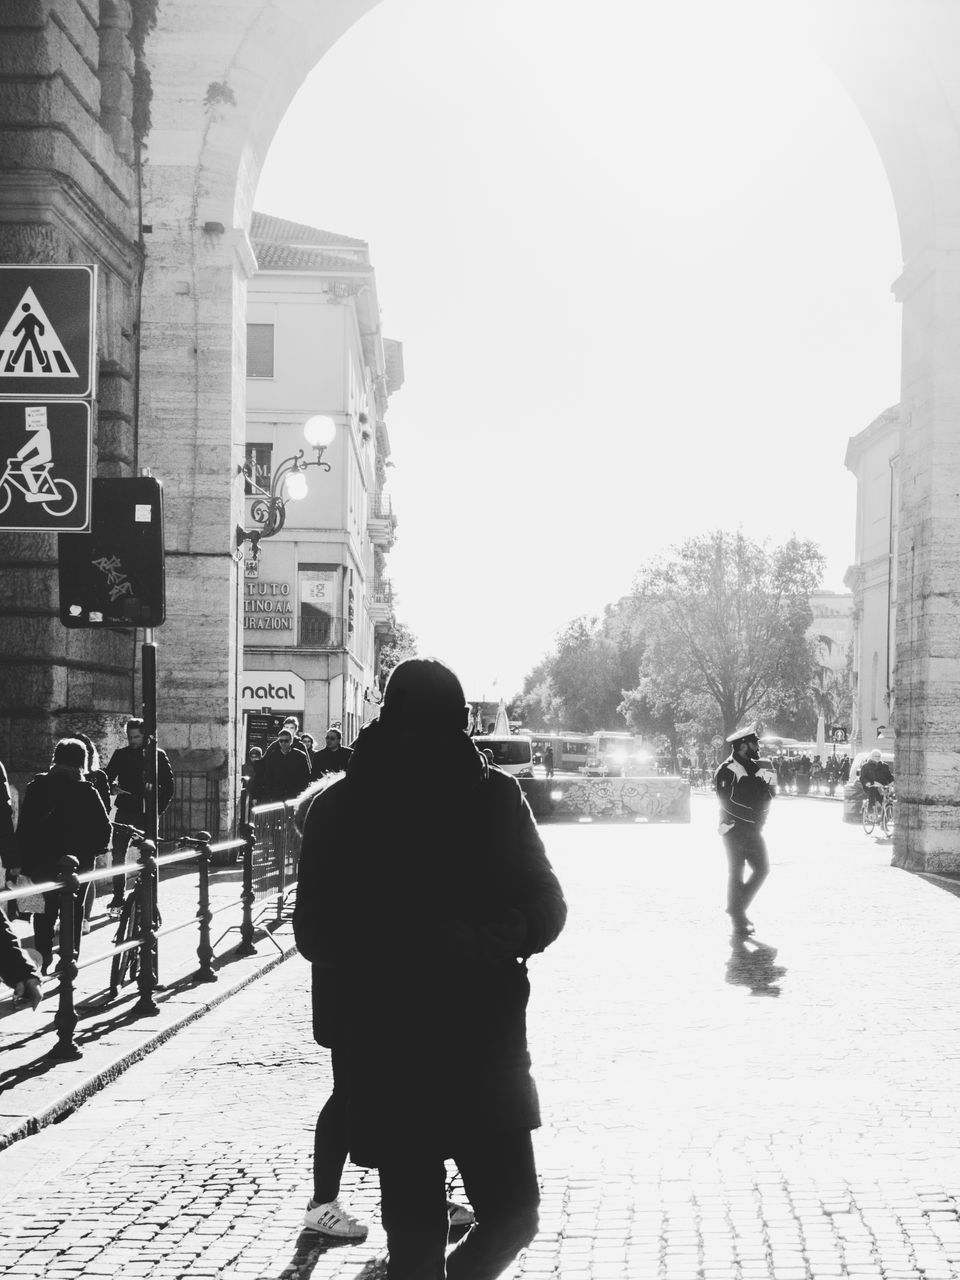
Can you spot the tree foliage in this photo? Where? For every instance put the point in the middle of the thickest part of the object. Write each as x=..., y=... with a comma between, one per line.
x=725, y=622
x=402, y=645
x=711, y=636
x=580, y=685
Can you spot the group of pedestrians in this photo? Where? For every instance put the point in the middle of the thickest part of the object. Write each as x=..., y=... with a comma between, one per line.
x=799, y=773
x=423, y=889
x=290, y=763
x=65, y=810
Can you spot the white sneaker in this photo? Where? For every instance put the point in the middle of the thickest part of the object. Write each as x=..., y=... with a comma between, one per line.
x=331, y=1219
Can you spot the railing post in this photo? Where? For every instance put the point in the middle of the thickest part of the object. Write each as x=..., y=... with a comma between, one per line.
x=147, y=977
x=66, y=1017
x=282, y=863
x=247, y=897
x=204, y=914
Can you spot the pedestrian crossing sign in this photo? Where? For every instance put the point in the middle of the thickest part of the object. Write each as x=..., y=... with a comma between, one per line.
x=47, y=332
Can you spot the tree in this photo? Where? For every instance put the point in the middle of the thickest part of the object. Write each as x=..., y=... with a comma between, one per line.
x=726, y=621
x=580, y=685
x=402, y=645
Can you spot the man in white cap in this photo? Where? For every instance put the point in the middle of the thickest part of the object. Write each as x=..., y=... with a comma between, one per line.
x=744, y=787
x=874, y=776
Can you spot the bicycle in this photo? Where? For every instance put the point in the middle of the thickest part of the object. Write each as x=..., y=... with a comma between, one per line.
x=880, y=811
x=57, y=497
x=125, y=966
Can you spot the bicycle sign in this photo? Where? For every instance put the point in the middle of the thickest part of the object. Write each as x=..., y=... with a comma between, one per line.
x=45, y=466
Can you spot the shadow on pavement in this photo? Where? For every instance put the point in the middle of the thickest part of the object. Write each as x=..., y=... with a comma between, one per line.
x=751, y=965
x=84, y=1035
x=311, y=1247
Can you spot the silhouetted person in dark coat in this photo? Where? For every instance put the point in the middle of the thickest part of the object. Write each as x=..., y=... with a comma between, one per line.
x=423, y=888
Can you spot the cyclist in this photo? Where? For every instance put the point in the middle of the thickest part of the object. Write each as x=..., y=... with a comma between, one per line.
x=34, y=457
x=874, y=776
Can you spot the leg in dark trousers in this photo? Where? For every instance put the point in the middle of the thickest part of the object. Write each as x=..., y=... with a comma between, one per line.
x=43, y=923
x=745, y=848
x=330, y=1143
x=118, y=856
x=500, y=1179
x=413, y=1206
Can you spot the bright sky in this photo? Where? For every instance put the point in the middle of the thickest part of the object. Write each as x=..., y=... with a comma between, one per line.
x=639, y=256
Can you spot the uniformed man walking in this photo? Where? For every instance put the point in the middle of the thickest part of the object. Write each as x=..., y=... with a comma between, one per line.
x=745, y=786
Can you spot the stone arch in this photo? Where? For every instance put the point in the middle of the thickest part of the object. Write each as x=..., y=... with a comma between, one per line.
x=220, y=76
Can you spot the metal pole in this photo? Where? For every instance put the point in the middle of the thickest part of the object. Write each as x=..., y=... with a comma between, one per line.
x=205, y=915
x=247, y=947
x=147, y=977
x=151, y=820
x=282, y=862
x=66, y=1017
x=149, y=670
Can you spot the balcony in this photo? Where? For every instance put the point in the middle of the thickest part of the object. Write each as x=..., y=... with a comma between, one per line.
x=320, y=631
x=381, y=522
x=380, y=603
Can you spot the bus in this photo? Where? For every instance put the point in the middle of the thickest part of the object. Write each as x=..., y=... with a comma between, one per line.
x=570, y=750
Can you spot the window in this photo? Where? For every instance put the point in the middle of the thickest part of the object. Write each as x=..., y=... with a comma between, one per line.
x=320, y=623
x=259, y=350
x=259, y=461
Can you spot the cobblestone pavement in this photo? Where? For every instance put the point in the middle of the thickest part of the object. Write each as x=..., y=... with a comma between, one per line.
x=785, y=1110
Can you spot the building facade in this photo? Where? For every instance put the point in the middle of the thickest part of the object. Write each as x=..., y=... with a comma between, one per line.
x=873, y=456
x=132, y=136
x=316, y=601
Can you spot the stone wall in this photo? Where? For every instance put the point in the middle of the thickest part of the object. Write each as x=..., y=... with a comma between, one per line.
x=209, y=84
x=67, y=194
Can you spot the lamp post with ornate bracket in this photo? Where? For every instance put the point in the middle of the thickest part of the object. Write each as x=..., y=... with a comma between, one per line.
x=269, y=507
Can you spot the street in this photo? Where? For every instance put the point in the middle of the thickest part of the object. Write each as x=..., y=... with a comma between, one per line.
x=785, y=1110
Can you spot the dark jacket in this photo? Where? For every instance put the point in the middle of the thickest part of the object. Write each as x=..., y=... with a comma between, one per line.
x=125, y=768
x=61, y=813
x=279, y=776
x=327, y=761
x=877, y=771
x=423, y=887
x=744, y=790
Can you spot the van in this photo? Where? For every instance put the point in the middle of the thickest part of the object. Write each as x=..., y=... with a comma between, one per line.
x=512, y=752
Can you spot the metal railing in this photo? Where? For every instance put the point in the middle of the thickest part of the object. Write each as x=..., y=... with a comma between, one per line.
x=195, y=805
x=381, y=505
x=320, y=631
x=268, y=847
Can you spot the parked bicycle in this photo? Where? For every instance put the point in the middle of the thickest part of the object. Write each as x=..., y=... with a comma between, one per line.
x=125, y=965
x=879, y=811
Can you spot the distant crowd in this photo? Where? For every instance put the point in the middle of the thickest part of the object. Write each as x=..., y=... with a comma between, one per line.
x=797, y=772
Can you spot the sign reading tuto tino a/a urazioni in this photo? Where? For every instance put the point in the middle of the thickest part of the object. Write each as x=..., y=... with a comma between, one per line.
x=47, y=332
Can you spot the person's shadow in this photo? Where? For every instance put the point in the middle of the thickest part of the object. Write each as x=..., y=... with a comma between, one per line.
x=311, y=1247
x=751, y=964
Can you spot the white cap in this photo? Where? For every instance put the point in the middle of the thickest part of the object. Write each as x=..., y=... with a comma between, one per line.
x=748, y=731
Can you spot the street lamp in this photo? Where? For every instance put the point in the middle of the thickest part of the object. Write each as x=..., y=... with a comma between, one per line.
x=269, y=507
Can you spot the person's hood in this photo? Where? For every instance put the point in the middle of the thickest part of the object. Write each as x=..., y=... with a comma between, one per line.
x=61, y=775
x=306, y=798
x=398, y=759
